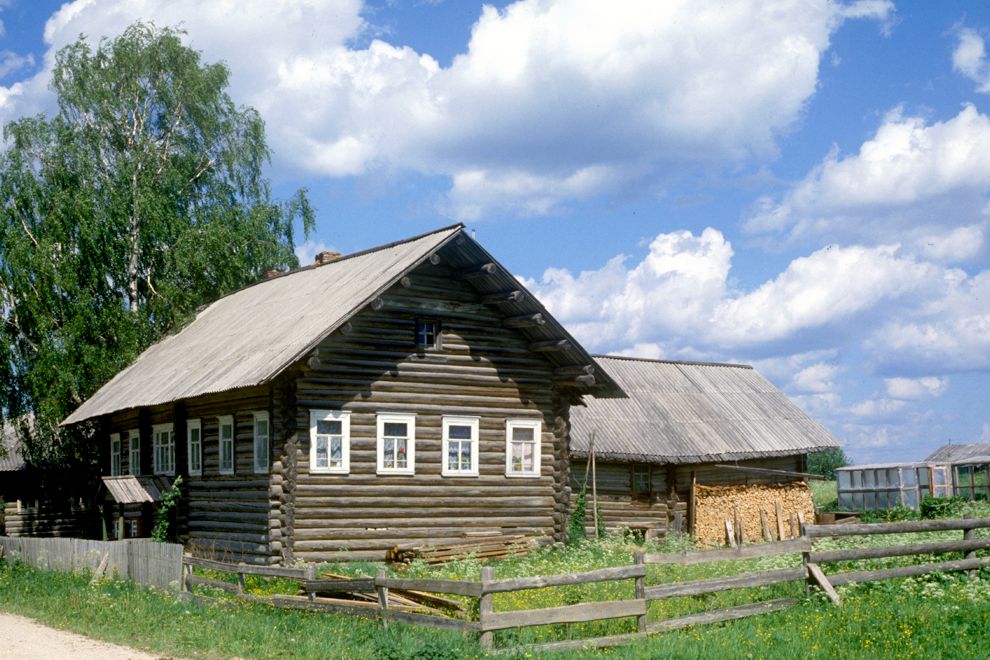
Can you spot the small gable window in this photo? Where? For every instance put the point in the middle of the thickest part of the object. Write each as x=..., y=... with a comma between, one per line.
x=428, y=334
x=329, y=441
x=641, y=481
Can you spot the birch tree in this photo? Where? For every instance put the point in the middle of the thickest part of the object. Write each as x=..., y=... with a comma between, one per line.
x=141, y=199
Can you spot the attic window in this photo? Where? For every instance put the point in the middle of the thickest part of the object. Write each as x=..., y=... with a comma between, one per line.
x=428, y=335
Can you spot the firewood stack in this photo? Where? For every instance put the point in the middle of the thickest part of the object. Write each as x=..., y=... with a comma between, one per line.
x=764, y=512
x=482, y=548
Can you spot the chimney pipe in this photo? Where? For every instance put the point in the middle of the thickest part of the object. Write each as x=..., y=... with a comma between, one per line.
x=324, y=258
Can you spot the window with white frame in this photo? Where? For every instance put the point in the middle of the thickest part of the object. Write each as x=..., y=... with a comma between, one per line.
x=522, y=447
x=134, y=452
x=225, y=433
x=329, y=441
x=115, y=454
x=396, y=443
x=460, y=447
x=194, y=447
x=261, y=442
x=163, y=449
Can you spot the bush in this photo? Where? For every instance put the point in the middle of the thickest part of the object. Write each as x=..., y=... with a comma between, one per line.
x=825, y=462
x=941, y=507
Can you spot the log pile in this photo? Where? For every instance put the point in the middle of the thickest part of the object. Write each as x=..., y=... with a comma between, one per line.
x=482, y=548
x=398, y=599
x=751, y=513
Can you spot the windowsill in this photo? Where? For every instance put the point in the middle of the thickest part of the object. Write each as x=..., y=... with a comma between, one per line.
x=523, y=475
x=384, y=472
x=330, y=470
x=459, y=474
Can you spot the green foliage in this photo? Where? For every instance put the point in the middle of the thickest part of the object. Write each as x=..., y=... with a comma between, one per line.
x=140, y=200
x=575, y=523
x=941, y=507
x=825, y=462
x=165, y=514
x=824, y=494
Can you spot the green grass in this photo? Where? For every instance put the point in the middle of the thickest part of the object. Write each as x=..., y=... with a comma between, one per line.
x=824, y=495
x=934, y=616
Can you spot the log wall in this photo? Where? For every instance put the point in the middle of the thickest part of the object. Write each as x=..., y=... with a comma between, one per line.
x=482, y=370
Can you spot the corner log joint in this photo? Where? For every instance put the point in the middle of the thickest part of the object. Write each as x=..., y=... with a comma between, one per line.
x=524, y=321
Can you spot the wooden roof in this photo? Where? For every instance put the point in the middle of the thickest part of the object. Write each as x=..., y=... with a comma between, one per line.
x=961, y=453
x=691, y=412
x=131, y=489
x=250, y=336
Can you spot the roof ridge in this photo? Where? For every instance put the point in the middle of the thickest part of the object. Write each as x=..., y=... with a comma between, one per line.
x=696, y=363
x=345, y=257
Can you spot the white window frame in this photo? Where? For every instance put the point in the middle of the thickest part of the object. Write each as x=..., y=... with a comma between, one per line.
x=169, y=447
x=397, y=418
x=342, y=416
x=115, y=455
x=194, y=448
x=134, y=453
x=222, y=421
x=474, y=423
x=537, y=427
x=259, y=468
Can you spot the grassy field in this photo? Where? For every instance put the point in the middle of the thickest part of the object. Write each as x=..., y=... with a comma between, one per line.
x=938, y=616
x=824, y=494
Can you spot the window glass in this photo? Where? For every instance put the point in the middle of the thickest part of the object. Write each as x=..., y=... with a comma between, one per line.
x=396, y=443
x=523, y=448
x=843, y=478
x=163, y=449
x=134, y=452
x=330, y=441
x=226, y=439
x=460, y=446
x=194, y=447
x=261, y=449
x=115, y=454
x=427, y=335
x=909, y=476
x=641, y=480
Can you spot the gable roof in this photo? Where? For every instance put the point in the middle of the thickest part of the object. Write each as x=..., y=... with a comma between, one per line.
x=250, y=336
x=958, y=453
x=692, y=412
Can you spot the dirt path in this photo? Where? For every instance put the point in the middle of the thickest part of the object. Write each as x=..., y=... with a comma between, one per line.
x=26, y=639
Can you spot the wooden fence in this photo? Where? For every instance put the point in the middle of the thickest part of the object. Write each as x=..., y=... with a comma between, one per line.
x=489, y=620
x=144, y=561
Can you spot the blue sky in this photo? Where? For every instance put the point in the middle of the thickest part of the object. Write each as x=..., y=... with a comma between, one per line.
x=799, y=185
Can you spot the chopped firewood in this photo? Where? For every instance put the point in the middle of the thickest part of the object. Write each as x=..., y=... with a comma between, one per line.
x=748, y=507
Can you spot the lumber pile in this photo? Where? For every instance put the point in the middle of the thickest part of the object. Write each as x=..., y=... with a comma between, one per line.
x=492, y=547
x=398, y=599
x=751, y=513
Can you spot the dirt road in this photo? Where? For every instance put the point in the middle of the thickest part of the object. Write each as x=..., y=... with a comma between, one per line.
x=25, y=639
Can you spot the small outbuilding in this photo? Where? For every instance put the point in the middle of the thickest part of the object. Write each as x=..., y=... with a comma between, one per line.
x=969, y=467
x=681, y=426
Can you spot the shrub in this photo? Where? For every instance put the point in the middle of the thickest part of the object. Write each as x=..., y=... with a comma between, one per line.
x=941, y=507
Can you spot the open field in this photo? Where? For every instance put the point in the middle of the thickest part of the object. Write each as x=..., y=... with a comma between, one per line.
x=933, y=616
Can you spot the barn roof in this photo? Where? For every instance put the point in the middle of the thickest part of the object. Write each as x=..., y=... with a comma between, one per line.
x=960, y=453
x=691, y=412
x=250, y=336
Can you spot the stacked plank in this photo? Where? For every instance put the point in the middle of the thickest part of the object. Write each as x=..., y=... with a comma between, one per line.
x=751, y=513
x=483, y=548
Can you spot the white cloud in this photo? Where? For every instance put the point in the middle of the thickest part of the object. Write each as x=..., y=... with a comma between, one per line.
x=552, y=100
x=11, y=62
x=306, y=252
x=970, y=59
x=679, y=294
x=817, y=378
x=910, y=175
x=915, y=389
x=877, y=409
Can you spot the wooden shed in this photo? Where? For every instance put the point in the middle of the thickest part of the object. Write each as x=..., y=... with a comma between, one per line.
x=682, y=424
x=415, y=392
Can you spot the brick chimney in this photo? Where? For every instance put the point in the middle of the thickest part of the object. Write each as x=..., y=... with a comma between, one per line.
x=269, y=274
x=323, y=258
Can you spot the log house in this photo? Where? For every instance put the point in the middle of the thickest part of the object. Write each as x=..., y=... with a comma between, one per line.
x=414, y=392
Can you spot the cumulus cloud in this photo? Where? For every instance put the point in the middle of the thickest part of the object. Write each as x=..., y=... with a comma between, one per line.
x=914, y=389
x=679, y=295
x=919, y=177
x=970, y=58
x=551, y=100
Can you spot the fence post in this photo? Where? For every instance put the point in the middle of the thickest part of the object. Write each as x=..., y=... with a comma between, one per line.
x=186, y=572
x=485, y=608
x=382, y=595
x=640, y=589
x=969, y=533
x=310, y=576
x=806, y=557
x=241, y=567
